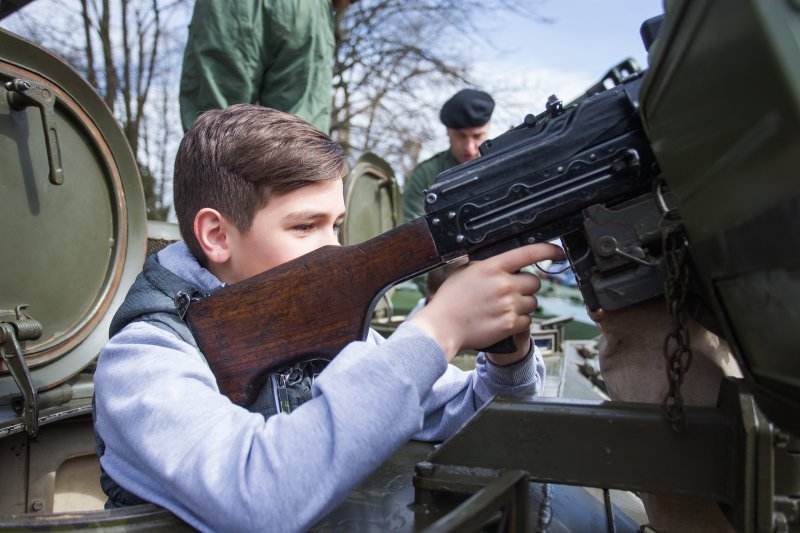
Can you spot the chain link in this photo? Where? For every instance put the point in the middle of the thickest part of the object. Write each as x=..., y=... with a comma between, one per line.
x=677, y=349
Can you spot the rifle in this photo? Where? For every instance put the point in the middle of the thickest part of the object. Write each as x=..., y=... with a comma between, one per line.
x=583, y=172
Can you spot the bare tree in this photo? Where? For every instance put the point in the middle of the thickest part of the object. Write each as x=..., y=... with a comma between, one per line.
x=394, y=60
x=393, y=57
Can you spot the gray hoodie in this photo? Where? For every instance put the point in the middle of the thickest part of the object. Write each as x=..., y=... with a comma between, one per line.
x=172, y=439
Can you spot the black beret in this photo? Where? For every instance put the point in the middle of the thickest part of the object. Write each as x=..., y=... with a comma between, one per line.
x=468, y=108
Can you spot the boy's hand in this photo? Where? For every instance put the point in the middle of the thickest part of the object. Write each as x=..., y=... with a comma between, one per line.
x=486, y=302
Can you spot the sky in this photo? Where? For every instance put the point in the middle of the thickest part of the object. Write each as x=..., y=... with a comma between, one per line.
x=527, y=61
x=521, y=62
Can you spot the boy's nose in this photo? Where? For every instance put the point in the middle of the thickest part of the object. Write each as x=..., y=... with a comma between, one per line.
x=330, y=238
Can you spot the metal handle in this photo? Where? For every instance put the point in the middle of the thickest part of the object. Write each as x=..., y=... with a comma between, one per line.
x=22, y=94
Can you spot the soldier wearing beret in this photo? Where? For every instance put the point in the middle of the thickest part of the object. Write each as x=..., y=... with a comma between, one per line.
x=466, y=116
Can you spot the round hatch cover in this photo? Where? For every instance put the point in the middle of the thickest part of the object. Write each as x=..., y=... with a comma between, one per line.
x=73, y=212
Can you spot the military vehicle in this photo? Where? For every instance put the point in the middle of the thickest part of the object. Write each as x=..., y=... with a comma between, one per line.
x=719, y=104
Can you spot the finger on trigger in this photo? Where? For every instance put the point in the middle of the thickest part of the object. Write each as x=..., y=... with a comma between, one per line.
x=523, y=256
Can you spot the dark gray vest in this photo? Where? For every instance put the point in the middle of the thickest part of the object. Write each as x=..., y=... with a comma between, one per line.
x=160, y=298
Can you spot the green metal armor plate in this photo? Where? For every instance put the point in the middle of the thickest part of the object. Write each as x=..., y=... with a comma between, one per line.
x=73, y=212
x=721, y=106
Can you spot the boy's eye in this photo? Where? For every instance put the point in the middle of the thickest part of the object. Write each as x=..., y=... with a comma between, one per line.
x=303, y=227
x=336, y=227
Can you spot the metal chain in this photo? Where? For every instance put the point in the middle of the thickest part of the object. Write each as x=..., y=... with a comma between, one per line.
x=545, y=515
x=677, y=349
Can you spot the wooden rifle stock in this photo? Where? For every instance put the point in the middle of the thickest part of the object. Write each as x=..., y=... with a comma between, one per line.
x=308, y=308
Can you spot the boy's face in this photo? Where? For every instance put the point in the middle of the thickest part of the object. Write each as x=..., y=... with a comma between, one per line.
x=290, y=225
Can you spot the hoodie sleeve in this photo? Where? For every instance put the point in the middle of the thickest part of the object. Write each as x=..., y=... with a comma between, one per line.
x=171, y=438
x=457, y=394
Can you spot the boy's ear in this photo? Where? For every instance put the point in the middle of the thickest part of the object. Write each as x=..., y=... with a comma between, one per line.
x=210, y=230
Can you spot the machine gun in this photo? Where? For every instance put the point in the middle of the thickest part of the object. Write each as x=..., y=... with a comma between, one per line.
x=532, y=184
x=584, y=173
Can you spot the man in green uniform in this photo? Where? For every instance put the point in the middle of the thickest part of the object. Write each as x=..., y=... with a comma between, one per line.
x=466, y=116
x=277, y=53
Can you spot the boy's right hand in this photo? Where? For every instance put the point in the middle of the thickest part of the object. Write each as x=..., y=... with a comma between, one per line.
x=486, y=301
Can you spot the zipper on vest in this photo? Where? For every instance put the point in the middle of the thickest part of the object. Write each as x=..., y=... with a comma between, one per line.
x=279, y=382
x=183, y=301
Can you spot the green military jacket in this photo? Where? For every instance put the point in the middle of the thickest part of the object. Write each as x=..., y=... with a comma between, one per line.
x=421, y=178
x=277, y=53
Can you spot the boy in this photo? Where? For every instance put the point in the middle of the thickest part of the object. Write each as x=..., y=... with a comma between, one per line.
x=254, y=188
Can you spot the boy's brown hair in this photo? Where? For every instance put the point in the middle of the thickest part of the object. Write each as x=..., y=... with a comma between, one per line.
x=233, y=159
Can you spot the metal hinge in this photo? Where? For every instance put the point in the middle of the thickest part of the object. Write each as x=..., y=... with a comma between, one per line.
x=12, y=332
